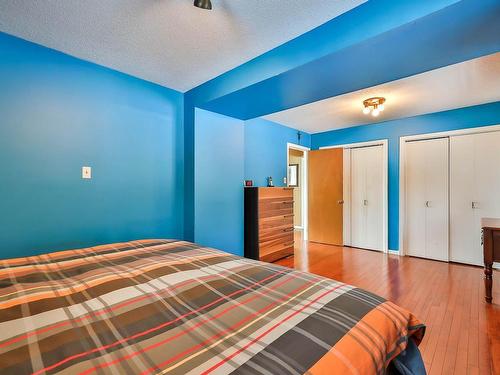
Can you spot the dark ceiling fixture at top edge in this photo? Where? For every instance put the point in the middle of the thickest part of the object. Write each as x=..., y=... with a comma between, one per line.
x=203, y=4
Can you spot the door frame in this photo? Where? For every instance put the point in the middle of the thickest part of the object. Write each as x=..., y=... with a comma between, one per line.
x=402, y=178
x=347, y=188
x=304, y=180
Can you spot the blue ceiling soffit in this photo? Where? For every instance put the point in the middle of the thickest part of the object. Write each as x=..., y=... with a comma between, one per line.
x=459, y=32
x=372, y=18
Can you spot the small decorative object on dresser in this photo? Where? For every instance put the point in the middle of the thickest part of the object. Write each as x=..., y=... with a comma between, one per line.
x=268, y=223
x=491, y=249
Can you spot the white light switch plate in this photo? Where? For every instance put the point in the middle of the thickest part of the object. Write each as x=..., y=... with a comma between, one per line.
x=86, y=172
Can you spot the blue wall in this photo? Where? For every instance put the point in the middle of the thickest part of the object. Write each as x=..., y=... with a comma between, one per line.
x=219, y=166
x=266, y=150
x=482, y=115
x=320, y=63
x=59, y=113
x=228, y=151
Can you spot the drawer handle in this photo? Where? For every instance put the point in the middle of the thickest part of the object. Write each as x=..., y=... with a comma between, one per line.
x=288, y=230
x=290, y=215
x=289, y=244
x=287, y=202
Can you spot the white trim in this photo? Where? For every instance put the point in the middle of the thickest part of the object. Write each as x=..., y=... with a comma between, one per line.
x=402, y=161
x=346, y=209
x=290, y=145
x=347, y=199
x=359, y=144
x=481, y=129
x=304, y=181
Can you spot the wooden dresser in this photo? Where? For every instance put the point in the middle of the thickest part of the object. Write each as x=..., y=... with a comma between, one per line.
x=268, y=223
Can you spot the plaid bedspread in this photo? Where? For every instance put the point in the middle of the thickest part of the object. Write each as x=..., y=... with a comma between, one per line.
x=162, y=306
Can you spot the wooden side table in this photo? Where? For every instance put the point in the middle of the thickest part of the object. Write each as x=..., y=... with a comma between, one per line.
x=491, y=252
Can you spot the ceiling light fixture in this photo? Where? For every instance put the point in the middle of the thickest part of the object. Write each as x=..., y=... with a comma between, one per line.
x=203, y=4
x=373, y=105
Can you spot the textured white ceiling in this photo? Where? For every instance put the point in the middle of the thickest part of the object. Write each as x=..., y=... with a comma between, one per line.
x=169, y=42
x=469, y=83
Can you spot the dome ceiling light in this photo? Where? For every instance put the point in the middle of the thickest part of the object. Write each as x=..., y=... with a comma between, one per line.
x=203, y=4
x=373, y=105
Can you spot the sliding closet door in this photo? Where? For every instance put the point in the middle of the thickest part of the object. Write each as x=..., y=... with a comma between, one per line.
x=426, y=173
x=358, y=207
x=462, y=228
x=475, y=186
x=415, y=220
x=367, y=197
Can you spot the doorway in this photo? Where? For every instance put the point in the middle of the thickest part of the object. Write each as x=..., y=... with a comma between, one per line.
x=297, y=177
x=348, y=203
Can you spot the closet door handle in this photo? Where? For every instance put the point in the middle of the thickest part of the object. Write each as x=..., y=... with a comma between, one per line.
x=475, y=205
x=427, y=204
x=365, y=202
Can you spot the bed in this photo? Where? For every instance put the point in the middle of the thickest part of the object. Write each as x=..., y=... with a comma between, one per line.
x=167, y=306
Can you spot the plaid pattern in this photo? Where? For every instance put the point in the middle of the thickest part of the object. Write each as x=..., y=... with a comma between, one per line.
x=161, y=306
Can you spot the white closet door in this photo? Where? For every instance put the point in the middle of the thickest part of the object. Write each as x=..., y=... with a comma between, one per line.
x=437, y=208
x=475, y=182
x=367, y=197
x=426, y=172
x=487, y=179
x=375, y=197
x=461, y=197
x=358, y=188
x=415, y=167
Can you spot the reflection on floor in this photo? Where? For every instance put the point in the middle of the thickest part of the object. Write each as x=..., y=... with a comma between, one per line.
x=463, y=331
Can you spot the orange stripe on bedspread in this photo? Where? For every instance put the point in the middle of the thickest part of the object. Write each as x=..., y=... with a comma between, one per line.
x=363, y=350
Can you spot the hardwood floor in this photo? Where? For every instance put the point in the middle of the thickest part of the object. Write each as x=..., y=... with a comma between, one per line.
x=463, y=331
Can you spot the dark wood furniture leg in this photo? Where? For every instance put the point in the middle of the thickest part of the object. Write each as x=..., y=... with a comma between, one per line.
x=488, y=280
x=491, y=250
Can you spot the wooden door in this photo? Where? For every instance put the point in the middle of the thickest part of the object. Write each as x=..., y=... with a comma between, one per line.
x=326, y=196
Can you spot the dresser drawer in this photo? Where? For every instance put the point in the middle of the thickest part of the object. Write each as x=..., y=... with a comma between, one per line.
x=272, y=204
x=276, y=221
x=276, y=213
x=284, y=235
x=272, y=253
x=276, y=193
x=275, y=229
